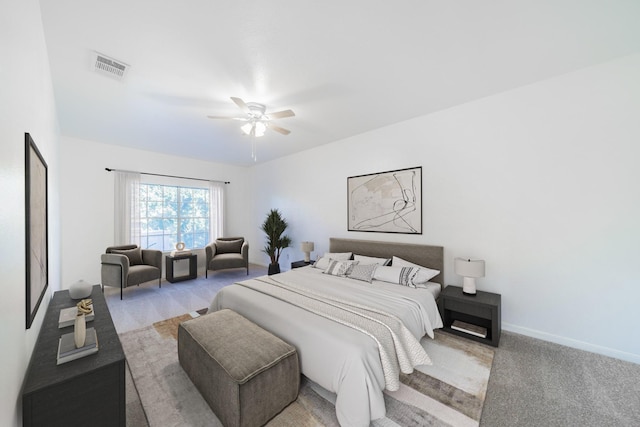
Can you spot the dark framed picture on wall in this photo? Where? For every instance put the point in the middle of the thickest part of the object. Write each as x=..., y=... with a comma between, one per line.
x=36, y=220
x=386, y=202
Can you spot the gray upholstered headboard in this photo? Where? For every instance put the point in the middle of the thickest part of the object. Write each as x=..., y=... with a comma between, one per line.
x=425, y=255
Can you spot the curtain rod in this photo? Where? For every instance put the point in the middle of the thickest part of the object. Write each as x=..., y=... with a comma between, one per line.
x=168, y=176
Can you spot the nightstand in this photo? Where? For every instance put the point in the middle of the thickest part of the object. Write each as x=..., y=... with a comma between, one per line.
x=482, y=309
x=297, y=264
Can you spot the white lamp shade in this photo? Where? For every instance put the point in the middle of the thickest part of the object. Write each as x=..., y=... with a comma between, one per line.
x=469, y=267
x=307, y=248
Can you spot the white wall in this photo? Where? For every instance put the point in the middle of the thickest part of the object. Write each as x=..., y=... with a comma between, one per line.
x=87, y=198
x=26, y=105
x=541, y=182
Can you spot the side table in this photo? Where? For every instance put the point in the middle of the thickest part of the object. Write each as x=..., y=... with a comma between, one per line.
x=298, y=264
x=193, y=267
x=482, y=309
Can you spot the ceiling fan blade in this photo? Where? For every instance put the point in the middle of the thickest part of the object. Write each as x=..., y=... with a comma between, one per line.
x=240, y=103
x=281, y=114
x=244, y=119
x=279, y=129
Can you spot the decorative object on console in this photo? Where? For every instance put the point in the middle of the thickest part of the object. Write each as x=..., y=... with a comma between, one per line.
x=84, y=307
x=79, y=330
x=307, y=248
x=274, y=226
x=470, y=270
x=68, y=315
x=80, y=289
x=68, y=350
x=388, y=202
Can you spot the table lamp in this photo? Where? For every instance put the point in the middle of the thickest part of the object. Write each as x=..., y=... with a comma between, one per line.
x=470, y=269
x=307, y=248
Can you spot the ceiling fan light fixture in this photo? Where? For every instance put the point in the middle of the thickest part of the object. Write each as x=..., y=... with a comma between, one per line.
x=257, y=121
x=258, y=128
x=246, y=128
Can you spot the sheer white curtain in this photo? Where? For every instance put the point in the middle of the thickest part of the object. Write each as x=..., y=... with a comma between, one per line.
x=127, y=208
x=216, y=210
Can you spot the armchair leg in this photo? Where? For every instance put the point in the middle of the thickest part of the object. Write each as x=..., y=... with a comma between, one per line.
x=247, y=270
x=120, y=291
x=159, y=282
x=206, y=270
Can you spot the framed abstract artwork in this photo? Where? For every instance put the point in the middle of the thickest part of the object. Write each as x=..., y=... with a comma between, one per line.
x=386, y=202
x=36, y=220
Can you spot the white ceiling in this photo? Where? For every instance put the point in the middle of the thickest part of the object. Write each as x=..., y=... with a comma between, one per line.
x=344, y=66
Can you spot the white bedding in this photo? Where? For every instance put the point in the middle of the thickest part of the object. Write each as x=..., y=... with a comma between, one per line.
x=340, y=359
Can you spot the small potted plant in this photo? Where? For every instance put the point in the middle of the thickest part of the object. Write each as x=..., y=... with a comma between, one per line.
x=274, y=226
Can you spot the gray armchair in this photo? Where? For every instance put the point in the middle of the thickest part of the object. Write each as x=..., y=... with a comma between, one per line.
x=227, y=252
x=128, y=265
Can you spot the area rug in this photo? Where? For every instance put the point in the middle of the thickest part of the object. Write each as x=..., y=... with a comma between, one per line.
x=451, y=392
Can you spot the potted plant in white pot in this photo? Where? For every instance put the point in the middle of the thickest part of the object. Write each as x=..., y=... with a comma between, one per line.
x=274, y=226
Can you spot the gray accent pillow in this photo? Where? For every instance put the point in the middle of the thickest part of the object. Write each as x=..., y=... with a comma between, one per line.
x=363, y=272
x=134, y=255
x=229, y=246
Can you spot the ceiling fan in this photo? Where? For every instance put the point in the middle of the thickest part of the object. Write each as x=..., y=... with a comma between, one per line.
x=258, y=120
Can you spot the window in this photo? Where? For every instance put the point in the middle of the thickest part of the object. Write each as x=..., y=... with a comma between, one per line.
x=172, y=214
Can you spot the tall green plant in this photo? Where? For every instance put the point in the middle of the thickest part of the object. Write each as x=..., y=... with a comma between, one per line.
x=274, y=226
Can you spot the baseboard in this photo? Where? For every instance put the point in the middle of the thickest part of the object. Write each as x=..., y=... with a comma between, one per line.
x=570, y=342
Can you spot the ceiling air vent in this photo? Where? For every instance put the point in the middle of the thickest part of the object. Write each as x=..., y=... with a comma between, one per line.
x=109, y=66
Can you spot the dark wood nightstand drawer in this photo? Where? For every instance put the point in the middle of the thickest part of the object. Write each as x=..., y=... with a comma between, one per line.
x=473, y=310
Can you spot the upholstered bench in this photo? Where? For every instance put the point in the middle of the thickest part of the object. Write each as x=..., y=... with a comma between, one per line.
x=246, y=374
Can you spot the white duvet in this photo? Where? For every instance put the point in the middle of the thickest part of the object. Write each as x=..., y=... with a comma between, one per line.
x=341, y=359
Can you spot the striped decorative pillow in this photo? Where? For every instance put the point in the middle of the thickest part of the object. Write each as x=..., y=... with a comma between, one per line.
x=340, y=268
x=406, y=276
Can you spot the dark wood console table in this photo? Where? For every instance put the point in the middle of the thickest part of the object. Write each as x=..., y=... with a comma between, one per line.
x=89, y=390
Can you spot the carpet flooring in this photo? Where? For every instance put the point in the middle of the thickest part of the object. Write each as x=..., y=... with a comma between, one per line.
x=449, y=393
x=536, y=383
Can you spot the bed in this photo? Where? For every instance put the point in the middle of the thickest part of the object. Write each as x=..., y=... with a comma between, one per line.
x=343, y=359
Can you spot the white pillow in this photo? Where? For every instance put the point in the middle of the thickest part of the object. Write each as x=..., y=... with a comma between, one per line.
x=340, y=268
x=406, y=276
x=399, y=262
x=339, y=256
x=367, y=260
x=322, y=262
